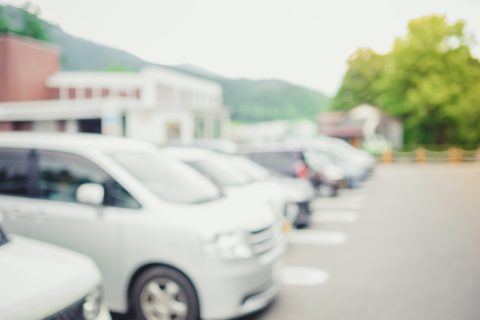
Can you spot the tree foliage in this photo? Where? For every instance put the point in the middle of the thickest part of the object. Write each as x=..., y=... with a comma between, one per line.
x=4, y=25
x=30, y=24
x=430, y=80
x=360, y=82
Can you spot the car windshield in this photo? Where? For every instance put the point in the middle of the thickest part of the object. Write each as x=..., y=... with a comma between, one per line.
x=221, y=171
x=255, y=171
x=3, y=237
x=168, y=179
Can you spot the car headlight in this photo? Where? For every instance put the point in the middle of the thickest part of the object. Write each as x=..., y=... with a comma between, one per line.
x=229, y=245
x=93, y=304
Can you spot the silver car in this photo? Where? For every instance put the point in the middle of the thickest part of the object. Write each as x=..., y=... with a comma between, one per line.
x=168, y=243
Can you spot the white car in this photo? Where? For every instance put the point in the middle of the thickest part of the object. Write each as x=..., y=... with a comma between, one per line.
x=298, y=194
x=224, y=172
x=41, y=281
x=168, y=243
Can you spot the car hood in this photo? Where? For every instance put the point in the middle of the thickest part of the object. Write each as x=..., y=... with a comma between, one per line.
x=295, y=190
x=38, y=280
x=261, y=193
x=236, y=211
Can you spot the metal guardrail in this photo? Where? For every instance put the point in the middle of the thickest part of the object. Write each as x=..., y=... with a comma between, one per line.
x=423, y=155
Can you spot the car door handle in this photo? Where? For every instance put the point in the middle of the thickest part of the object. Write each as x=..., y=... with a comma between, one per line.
x=16, y=214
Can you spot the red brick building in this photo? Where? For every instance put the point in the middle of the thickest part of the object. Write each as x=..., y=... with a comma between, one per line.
x=25, y=66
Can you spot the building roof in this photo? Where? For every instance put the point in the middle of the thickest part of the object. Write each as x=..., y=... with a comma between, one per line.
x=133, y=79
x=62, y=109
x=70, y=142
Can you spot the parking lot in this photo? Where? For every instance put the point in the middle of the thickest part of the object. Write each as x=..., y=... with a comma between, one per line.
x=404, y=246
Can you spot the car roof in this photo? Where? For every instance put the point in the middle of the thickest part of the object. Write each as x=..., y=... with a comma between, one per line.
x=273, y=149
x=69, y=142
x=190, y=153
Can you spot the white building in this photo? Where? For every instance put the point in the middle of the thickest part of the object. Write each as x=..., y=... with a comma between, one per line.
x=155, y=104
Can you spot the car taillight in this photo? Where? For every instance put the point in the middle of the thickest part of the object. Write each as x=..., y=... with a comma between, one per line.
x=302, y=170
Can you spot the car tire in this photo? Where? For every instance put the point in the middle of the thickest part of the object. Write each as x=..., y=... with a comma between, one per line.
x=161, y=291
x=302, y=221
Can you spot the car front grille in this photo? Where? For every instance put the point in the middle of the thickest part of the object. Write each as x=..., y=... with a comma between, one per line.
x=73, y=312
x=264, y=240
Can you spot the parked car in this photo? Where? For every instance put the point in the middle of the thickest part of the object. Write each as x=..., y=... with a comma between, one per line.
x=41, y=281
x=298, y=193
x=167, y=242
x=320, y=158
x=357, y=157
x=221, y=170
x=292, y=162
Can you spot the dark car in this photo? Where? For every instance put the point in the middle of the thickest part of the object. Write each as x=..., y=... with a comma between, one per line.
x=294, y=162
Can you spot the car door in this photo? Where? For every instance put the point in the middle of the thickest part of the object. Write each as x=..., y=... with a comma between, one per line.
x=15, y=188
x=60, y=219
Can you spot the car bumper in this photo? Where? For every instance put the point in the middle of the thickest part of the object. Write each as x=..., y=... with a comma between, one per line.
x=104, y=314
x=236, y=288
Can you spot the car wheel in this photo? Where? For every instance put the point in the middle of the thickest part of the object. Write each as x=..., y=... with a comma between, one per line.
x=162, y=293
x=302, y=221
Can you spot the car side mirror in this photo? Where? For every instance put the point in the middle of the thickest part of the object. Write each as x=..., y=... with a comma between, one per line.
x=90, y=193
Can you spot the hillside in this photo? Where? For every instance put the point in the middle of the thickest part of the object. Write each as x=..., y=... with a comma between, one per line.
x=248, y=100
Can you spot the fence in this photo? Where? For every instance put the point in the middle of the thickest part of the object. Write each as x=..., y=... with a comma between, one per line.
x=423, y=155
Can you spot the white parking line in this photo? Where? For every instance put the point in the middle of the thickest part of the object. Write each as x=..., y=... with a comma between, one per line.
x=341, y=216
x=317, y=237
x=302, y=276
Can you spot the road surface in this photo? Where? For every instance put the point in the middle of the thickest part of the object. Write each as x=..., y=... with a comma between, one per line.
x=407, y=246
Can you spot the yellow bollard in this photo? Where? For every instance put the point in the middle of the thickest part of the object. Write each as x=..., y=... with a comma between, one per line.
x=421, y=155
x=387, y=156
x=451, y=155
x=459, y=155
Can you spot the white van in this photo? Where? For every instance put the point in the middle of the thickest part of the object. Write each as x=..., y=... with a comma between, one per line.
x=169, y=244
x=41, y=281
x=222, y=171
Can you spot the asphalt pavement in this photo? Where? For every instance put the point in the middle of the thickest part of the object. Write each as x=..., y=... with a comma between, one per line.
x=404, y=246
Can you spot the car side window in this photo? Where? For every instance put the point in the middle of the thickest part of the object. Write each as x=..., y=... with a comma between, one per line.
x=279, y=161
x=119, y=197
x=14, y=172
x=61, y=174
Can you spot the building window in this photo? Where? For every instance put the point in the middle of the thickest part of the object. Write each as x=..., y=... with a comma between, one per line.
x=71, y=93
x=22, y=125
x=199, y=127
x=217, y=128
x=61, y=125
x=88, y=93
x=173, y=131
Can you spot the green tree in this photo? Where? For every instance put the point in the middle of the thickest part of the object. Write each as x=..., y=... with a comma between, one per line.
x=427, y=75
x=359, y=85
x=4, y=26
x=429, y=79
x=32, y=26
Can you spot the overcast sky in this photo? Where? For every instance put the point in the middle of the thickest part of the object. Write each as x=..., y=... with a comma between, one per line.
x=302, y=41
